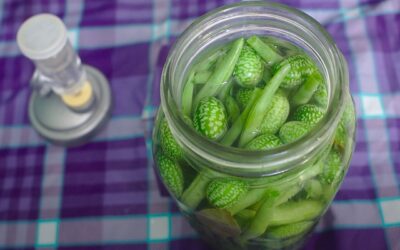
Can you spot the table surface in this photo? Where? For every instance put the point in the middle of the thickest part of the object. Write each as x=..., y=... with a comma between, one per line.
x=104, y=195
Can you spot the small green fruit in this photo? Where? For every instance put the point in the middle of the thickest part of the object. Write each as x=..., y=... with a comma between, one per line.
x=276, y=115
x=171, y=173
x=224, y=192
x=293, y=130
x=210, y=118
x=320, y=96
x=249, y=68
x=301, y=66
x=168, y=142
x=243, y=96
x=265, y=141
x=308, y=113
x=333, y=167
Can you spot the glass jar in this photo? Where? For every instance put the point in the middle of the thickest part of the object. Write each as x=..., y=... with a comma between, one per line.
x=287, y=188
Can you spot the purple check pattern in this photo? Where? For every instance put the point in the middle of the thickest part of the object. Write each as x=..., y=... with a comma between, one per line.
x=105, y=195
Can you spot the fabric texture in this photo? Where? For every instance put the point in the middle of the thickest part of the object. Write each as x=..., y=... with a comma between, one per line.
x=104, y=195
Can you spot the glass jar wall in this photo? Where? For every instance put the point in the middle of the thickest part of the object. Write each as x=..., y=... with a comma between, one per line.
x=253, y=199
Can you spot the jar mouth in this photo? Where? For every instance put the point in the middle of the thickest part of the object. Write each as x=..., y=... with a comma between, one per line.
x=245, y=19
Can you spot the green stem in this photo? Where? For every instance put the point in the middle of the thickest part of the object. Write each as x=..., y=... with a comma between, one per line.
x=264, y=50
x=255, y=117
x=306, y=91
x=187, y=95
x=222, y=72
x=234, y=131
x=201, y=77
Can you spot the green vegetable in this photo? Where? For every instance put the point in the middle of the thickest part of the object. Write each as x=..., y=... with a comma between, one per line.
x=237, y=126
x=290, y=230
x=276, y=114
x=333, y=169
x=222, y=72
x=193, y=195
x=349, y=114
x=232, y=108
x=219, y=222
x=301, y=66
x=210, y=118
x=196, y=191
x=306, y=91
x=243, y=96
x=313, y=189
x=265, y=141
x=187, y=120
x=308, y=113
x=246, y=214
x=249, y=199
x=284, y=47
x=320, y=96
x=171, y=173
x=224, y=192
x=201, y=77
x=293, y=130
x=273, y=197
x=340, y=136
x=209, y=60
x=277, y=194
x=346, y=125
x=266, y=77
x=269, y=55
x=293, y=212
x=249, y=68
x=168, y=143
x=254, y=119
x=187, y=95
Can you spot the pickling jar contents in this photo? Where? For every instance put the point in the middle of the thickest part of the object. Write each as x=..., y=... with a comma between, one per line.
x=255, y=93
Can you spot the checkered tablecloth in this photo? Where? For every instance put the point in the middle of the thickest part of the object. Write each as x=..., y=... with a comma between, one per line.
x=104, y=195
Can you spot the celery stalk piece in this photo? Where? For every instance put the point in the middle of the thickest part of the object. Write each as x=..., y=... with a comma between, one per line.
x=222, y=72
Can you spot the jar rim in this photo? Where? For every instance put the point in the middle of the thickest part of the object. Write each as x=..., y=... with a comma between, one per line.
x=243, y=162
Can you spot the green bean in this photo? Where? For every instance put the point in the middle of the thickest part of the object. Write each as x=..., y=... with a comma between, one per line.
x=264, y=50
x=222, y=72
x=306, y=91
x=234, y=131
x=254, y=119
